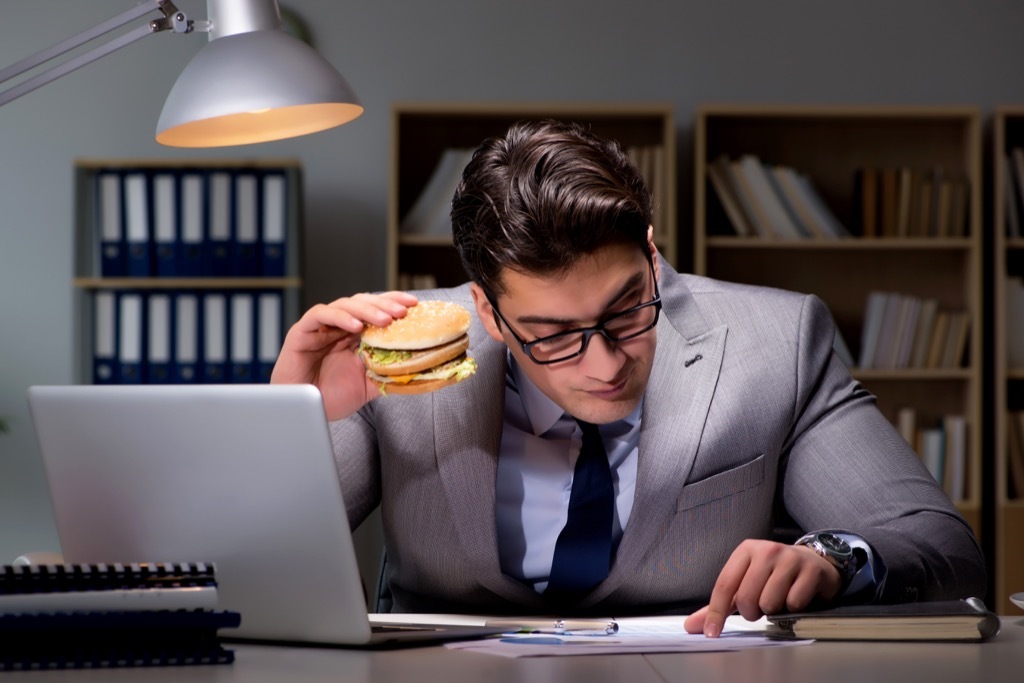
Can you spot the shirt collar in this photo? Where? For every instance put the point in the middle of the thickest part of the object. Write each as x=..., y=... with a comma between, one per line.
x=543, y=413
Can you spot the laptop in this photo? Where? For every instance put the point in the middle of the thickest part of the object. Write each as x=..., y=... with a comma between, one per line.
x=242, y=476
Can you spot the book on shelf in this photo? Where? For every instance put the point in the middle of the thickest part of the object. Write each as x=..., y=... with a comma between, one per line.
x=719, y=172
x=1014, y=315
x=866, y=201
x=430, y=213
x=952, y=620
x=771, y=201
x=1011, y=198
x=954, y=476
x=1015, y=455
x=902, y=202
x=907, y=331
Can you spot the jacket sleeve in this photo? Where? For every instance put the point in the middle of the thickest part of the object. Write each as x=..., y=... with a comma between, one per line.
x=847, y=467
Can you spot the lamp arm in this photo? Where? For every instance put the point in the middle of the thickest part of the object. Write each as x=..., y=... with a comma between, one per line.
x=173, y=20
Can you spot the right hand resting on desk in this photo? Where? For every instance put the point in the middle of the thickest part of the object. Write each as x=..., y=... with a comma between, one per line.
x=322, y=349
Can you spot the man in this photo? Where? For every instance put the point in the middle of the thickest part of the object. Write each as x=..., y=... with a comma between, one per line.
x=719, y=408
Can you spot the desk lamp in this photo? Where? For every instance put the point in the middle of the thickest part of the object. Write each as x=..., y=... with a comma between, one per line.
x=252, y=82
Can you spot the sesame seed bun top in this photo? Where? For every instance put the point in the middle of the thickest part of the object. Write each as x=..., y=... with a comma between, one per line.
x=427, y=324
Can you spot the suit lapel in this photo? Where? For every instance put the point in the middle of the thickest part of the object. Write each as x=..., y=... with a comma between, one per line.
x=676, y=404
x=467, y=437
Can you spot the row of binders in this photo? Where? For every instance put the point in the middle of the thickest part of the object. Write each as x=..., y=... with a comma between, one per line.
x=75, y=616
x=186, y=336
x=942, y=446
x=904, y=331
x=192, y=222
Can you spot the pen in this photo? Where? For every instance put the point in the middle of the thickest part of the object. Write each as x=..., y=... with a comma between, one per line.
x=557, y=626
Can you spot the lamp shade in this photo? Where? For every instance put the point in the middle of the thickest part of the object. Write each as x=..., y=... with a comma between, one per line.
x=254, y=87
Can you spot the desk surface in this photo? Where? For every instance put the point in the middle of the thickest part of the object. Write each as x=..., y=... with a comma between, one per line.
x=999, y=660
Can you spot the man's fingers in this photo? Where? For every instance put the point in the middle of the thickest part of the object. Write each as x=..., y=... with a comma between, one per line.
x=695, y=622
x=723, y=597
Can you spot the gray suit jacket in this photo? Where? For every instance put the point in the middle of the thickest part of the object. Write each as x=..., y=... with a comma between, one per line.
x=748, y=411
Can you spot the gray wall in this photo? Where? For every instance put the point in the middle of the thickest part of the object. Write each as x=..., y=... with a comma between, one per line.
x=903, y=51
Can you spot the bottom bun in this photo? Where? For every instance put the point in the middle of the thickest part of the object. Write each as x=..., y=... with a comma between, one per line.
x=424, y=386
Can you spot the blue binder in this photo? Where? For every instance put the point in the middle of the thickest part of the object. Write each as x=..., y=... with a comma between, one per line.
x=131, y=337
x=185, y=360
x=159, y=337
x=110, y=222
x=218, y=225
x=104, y=320
x=246, y=251
x=242, y=314
x=274, y=223
x=137, y=231
x=270, y=312
x=193, y=212
x=166, y=224
x=215, y=338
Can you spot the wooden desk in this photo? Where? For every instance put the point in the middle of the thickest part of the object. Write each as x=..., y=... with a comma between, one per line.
x=1001, y=660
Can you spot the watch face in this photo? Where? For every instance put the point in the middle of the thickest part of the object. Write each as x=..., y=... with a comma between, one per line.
x=834, y=544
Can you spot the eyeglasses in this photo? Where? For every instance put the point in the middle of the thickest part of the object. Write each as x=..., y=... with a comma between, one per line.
x=564, y=346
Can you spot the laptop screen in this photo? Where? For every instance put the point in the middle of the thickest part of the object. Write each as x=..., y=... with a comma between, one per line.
x=242, y=476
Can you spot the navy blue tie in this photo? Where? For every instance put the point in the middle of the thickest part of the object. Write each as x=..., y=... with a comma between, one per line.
x=583, y=552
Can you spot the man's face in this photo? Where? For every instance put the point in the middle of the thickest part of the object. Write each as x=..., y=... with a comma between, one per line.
x=606, y=382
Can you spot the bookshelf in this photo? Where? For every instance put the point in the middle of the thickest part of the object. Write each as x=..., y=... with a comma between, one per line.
x=429, y=147
x=1008, y=361
x=831, y=146
x=202, y=257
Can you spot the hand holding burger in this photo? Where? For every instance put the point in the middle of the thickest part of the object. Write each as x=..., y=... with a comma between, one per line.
x=421, y=352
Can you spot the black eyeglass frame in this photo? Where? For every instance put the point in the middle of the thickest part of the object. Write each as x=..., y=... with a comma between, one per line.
x=587, y=332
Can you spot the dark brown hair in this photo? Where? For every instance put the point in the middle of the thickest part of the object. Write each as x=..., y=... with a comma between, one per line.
x=542, y=196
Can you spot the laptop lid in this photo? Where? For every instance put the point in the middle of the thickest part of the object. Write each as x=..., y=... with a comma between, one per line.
x=242, y=476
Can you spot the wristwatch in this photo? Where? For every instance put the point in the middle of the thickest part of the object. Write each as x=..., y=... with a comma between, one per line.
x=835, y=550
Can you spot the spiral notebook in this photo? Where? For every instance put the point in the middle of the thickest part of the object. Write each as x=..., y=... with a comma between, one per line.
x=242, y=476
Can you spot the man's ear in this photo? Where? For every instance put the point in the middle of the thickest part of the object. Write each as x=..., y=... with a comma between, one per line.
x=485, y=312
x=654, y=251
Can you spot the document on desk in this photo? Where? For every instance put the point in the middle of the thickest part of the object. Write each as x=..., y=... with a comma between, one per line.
x=635, y=635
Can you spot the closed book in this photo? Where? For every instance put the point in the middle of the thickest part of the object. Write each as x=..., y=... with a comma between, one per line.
x=721, y=180
x=866, y=198
x=874, y=311
x=946, y=620
x=955, y=475
x=769, y=204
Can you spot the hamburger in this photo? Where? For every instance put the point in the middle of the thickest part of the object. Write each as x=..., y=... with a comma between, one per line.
x=422, y=352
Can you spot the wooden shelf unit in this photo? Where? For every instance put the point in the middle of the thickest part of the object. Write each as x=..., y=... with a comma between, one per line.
x=829, y=144
x=1008, y=389
x=422, y=132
